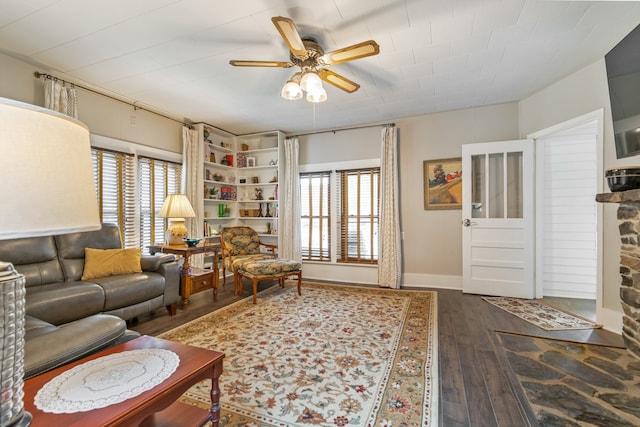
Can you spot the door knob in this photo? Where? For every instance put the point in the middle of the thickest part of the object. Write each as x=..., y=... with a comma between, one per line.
x=466, y=222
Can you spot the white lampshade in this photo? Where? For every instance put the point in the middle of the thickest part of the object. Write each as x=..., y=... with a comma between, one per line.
x=310, y=81
x=317, y=95
x=291, y=91
x=176, y=207
x=46, y=177
x=46, y=187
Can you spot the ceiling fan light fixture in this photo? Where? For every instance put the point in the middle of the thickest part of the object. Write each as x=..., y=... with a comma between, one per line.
x=310, y=81
x=291, y=91
x=317, y=95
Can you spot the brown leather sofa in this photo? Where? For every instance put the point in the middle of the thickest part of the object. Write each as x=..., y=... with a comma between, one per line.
x=68, y=318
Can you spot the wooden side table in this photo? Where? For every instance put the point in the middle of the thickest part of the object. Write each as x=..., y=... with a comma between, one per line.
x=191, y=280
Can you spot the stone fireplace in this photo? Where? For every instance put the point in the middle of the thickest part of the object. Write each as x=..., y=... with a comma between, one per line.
x=629, y=226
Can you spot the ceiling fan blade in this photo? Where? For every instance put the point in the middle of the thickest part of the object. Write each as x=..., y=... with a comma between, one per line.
x=338, y=81
x=356, y=51
x=273, y=64
x=289, y=33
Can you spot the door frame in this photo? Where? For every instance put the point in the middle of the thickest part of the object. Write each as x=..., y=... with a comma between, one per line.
x=597, y=115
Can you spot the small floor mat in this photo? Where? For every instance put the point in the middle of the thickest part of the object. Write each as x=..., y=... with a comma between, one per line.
x=541, y=315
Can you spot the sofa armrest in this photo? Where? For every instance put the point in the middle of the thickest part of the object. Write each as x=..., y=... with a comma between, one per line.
x=48, y=346
x=171, y=273
x=153, y=262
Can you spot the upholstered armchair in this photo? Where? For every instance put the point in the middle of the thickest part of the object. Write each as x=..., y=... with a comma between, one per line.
x=240, y=245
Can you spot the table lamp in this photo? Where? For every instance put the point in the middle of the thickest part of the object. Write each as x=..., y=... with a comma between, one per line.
x=46, y=187
x=176, y=207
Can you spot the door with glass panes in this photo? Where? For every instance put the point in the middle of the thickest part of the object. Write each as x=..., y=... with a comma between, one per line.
x=498, y=218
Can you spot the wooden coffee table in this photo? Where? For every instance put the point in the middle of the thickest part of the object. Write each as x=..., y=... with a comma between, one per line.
x=155, y=407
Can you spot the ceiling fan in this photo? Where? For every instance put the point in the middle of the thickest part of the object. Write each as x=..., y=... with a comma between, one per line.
x=307, y=54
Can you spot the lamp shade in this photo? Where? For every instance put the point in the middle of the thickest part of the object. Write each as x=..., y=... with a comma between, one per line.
x=46, y=177
x=46, y=187
x=177, y=206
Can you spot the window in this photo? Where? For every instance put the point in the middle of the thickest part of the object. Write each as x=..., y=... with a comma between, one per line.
x=131, y=196
x=156, y=180
x=358, y=191
x=315, y=219
x=354, y=205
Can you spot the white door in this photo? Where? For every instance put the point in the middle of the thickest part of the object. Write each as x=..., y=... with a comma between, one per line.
x=498, y=218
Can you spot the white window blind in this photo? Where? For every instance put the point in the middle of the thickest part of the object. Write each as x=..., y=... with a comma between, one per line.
x=358, y=210
x=115, y=180
x=315, y=217
x=156, y=180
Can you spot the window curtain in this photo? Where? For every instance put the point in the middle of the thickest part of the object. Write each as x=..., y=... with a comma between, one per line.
x=289, y=222
x=192, y=186
x=61, y=97
x=390, y=259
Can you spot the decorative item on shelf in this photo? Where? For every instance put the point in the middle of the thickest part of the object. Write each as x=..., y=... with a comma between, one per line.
x=212, y=157
x=176, y=208
x=268, y=228
x=623, y=178
x=217, y=177
x=258, y=193
x=273, y=162
x=274, y=179
x=255, y=180
x=260, y=210
x=229, y=159
x=241, y=160
x=251, y=162
x=213, y=193
x=67, y=204
x=207, y=175
x=225, y=193
x=243, y=180
x=244, y=147
x=206, y=132
x=268, y=214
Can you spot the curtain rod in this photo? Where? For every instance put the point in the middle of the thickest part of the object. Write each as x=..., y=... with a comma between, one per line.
x=341, y=129
x=189, y=124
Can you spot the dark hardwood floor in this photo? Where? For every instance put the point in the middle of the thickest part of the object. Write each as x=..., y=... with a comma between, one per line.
x=475, y=385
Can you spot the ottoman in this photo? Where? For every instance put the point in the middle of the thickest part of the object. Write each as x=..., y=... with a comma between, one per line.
x=273, y=269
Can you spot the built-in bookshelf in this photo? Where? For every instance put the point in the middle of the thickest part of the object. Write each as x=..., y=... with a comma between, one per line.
x=240, y=181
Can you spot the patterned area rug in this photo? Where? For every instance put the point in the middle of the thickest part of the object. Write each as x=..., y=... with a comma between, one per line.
x=541, y=315
x=335, y=356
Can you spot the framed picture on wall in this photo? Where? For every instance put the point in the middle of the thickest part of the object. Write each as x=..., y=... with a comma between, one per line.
x=442, y=180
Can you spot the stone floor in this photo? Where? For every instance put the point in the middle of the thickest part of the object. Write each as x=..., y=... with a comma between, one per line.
x=570, y=384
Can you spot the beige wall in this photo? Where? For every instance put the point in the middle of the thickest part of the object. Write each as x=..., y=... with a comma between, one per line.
x=103, y=116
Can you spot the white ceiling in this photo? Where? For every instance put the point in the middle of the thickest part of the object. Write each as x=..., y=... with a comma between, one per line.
x=435, y=55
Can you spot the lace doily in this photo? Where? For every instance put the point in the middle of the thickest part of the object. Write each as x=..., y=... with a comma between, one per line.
x=107, y=380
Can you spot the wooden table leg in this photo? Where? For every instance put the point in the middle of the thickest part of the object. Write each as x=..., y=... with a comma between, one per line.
x=185, y=281
x=215, y=395
x=216, y=275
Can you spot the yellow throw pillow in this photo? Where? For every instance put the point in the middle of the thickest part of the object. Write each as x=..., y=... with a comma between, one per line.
x=110, y=262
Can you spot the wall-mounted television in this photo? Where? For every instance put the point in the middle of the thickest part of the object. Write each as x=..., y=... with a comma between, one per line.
x=623, y=75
